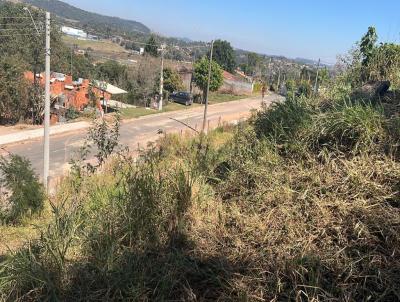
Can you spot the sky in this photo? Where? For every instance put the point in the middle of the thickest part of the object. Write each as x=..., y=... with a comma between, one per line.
x=299, y=28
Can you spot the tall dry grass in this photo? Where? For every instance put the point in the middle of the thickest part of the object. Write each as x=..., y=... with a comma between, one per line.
x=301, y=204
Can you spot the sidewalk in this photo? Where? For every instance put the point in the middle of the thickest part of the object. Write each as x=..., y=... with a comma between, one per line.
x=38, y=133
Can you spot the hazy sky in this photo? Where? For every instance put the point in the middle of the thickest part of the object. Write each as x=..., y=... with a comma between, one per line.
x=302, y=28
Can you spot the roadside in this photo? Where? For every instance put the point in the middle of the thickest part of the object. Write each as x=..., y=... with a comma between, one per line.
x=134, y=133
x=19, y=133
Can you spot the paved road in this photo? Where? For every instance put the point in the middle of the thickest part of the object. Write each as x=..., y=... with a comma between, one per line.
x=63, y=147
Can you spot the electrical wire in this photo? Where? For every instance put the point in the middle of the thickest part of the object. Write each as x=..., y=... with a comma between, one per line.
x=13, y=35
x=15, y=17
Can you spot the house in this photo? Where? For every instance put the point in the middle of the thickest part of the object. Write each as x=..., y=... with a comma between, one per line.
x=74, y=32
x=66, y=93
x=236, y=84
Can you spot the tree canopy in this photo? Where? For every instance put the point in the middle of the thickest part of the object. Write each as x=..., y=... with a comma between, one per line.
x=201, y=68
x=367, y=44
x=151, y=47
x=172, y=80
x=224, y=55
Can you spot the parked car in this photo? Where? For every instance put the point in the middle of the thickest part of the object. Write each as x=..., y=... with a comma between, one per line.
x=184, y=98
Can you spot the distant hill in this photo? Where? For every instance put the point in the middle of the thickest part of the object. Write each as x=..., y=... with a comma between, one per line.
x=88, y=19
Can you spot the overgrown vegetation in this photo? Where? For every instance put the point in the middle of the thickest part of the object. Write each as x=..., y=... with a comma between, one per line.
x=299, y=204
x=22, y=195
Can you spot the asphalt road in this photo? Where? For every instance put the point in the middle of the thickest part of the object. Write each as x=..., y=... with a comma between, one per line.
x=134, y=132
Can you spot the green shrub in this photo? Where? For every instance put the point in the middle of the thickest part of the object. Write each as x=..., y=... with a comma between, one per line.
x=26, y=192
x=283, y=120
x=349, y=128
x=304, y=89
x=71, y=113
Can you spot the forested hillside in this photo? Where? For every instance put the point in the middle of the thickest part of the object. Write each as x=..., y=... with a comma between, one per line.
x=88, y=19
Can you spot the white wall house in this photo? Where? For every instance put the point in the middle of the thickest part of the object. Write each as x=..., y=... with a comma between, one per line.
x=73, y=32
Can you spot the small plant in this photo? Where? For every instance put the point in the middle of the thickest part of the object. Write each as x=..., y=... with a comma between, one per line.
x=71, y=113
x=26, y=193
x=103, y=140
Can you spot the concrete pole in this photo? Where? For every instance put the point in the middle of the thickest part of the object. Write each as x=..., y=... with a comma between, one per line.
x=160, y=103
x=46, y=150
x=208, y=88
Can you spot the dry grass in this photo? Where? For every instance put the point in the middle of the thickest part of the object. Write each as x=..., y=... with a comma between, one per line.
x=231, y=216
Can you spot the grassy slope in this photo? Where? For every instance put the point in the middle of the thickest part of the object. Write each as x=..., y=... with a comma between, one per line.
x=103, y=46
x=302, y=204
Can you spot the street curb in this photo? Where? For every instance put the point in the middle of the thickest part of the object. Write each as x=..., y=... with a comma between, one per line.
x=71, y=127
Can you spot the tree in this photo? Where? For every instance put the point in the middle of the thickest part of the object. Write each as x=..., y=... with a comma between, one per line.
x=21, y=53
x=14, y=91
x=253, y=62
x=367, y=45
x=151, y=47
x=201, y=68
x=111, y=71
x=172, y=81
x=224, y=55
x=26, y=192
x=141, y=81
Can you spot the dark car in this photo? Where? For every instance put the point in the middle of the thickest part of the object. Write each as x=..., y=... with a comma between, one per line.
x=184, y=98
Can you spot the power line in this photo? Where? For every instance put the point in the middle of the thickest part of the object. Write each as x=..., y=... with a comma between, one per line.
x=9, y=29
x=15, y=24
x=13, y=35
x=15, y=17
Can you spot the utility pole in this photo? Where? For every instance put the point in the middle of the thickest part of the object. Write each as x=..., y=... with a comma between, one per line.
x=208, y=87
x=72, y=50
x=192, y=76
x=316, y=78
x=47, y=107
x=160, y=103
x=279, y=79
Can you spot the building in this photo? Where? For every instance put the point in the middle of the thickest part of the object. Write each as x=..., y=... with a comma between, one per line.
x=66, y=93
x=74, y=32
x=236, y=84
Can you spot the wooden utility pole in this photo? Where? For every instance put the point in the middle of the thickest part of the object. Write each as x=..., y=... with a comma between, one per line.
x=316, y=78
x=279, y=79
x=208, y=87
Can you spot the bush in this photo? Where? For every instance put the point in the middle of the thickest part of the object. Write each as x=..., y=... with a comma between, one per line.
x=26, y=193
x=283, y=120
x=348, y=128
x=71, y=113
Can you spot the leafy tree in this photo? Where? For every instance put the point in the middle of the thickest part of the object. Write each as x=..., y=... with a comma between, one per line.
x=141, y=81
x=172, y=81
x=13, y=91
x=26, y=52
x=201, y=68
x=253, y=63
x=111, y=71
x=26, y=192
x=367, y=44
x=151, y=46
x=224, y=55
